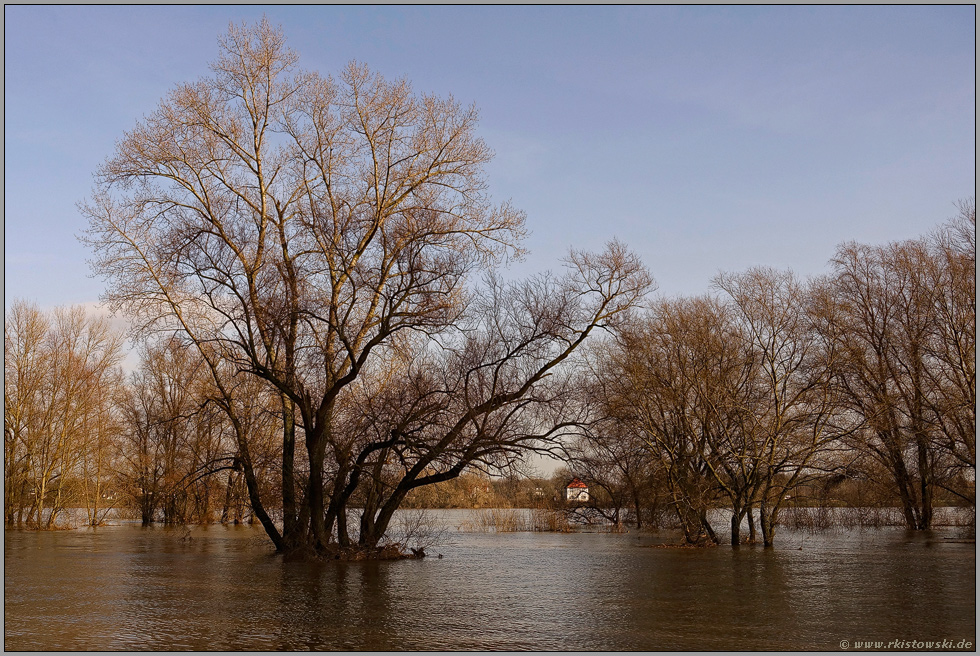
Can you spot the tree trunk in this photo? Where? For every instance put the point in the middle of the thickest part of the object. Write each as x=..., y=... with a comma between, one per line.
x=289, y=517
x=251, y=484
x=737, y=526
x=925, y=486
x=637, y=508
x=767, y=522
x=146, y=509
x=231, y=496
x=383, y=518
x=706, y=530
x=316, y=443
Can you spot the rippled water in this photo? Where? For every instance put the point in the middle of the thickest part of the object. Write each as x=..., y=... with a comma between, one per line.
x=131, y=588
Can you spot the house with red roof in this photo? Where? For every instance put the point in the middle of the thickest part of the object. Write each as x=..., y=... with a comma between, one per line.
x=576, y=491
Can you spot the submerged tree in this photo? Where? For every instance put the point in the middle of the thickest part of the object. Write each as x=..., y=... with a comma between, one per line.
x=615, y=460
x=494, y=387
x=794, y=413
x=903, y=317
x=661, y=385
x=294, y=227
x=730, y=394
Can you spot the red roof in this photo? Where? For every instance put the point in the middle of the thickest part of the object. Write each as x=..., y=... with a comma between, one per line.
x=577, y=483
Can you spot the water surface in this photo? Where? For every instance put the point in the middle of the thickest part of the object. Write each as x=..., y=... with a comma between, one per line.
x=131, y=588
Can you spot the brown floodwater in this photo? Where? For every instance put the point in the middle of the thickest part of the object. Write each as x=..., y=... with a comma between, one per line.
x=131, y=588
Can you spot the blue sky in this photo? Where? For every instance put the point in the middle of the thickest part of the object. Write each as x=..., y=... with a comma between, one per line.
x=706, y=138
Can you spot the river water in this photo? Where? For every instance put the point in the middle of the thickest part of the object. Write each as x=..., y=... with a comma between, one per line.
x=126, y=587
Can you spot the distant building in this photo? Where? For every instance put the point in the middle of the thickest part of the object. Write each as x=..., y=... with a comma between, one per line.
x=576, y=491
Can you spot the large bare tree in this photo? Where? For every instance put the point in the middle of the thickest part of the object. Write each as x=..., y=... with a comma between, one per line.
x=730, y=393
x=295, y=227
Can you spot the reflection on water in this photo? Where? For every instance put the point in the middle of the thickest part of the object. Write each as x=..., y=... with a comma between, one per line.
x=219, y=588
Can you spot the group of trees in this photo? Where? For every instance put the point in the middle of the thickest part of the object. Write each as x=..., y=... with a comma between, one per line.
x=78, y=434
x=177, y=458
x=298, y=256
x=313, y=240
x=60, y=385
x=771, y=384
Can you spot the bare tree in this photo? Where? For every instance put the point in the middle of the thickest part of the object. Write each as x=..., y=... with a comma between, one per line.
x=101, y=449
x=794, y=413
x=177, y=439
x=615, y=460
x=24, y=360
x=664, y=383
x=499, y=384
x=292, y=226
x=167, y=427
x=59, y=387
x=883, y=311
x=952, y=378
x=731, y=394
